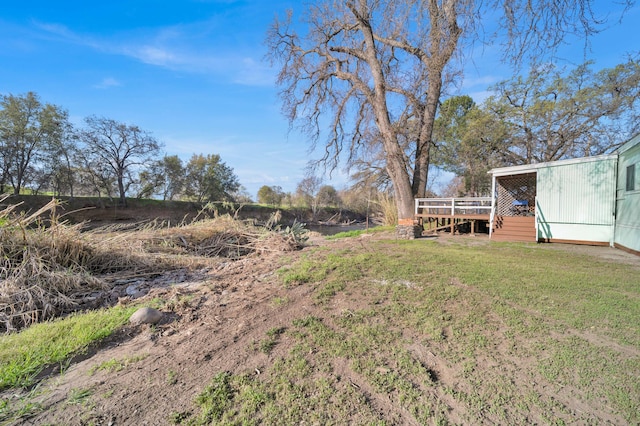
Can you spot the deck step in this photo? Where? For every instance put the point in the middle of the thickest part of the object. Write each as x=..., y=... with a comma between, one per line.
x=514, y=228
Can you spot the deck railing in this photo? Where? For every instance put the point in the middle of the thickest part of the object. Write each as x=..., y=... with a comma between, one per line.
x=453, y=206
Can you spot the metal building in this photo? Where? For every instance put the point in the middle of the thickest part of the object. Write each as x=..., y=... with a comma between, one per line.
x=591, y=200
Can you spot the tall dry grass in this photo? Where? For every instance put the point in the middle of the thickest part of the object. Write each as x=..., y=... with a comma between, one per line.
x=388, y=209
x=41, y=266
x=48, y=267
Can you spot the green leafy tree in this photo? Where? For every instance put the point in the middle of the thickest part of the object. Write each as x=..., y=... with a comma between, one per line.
x=468, y=143
x=272, y=195
x=148, y=184
x=164, y=177
x=60, y=161
x=210, y=179
x=29, y=130
x=379, y=67
x=122, y=149
x=552, y=116
x=328, y=196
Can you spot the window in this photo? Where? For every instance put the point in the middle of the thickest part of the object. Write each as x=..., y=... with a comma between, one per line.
x=631, y=178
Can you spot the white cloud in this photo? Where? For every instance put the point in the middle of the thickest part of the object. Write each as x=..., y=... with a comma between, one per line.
x=255, y=73
x=107, y=83
x=56, y=29
x=481, y=96
x=483, y=81
x=192, y=48
x=152, y=55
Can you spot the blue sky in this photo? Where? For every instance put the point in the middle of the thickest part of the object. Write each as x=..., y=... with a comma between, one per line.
x=192, y=72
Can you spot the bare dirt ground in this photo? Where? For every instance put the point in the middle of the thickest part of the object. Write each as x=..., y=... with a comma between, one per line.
x=208, y=327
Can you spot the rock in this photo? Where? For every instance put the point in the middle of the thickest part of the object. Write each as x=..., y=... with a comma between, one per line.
x=146, y=316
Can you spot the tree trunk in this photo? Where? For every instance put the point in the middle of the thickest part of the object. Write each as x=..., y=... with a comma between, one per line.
x=123, y=198
x=423, y=148
x=401, y=185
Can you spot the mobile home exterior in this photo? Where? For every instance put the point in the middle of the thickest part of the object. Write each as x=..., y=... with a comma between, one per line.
x=566, y=201
x=591, y=200
x=576, y=202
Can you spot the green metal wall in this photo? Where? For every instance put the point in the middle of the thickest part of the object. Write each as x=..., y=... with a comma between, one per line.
x=627, y=231
x=576, y=200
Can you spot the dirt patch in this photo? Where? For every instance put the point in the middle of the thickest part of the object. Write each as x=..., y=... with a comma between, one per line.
x=213, y=322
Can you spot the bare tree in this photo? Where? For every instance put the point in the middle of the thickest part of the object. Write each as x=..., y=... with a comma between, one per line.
x=380, y=66
x=307, y=190
x=119, y=148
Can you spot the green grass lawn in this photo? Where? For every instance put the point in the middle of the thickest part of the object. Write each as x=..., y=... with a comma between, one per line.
x=448, y=334
x=24, y=355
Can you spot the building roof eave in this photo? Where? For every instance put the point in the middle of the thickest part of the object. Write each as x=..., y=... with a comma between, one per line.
x=629, y=144
x=530, y=168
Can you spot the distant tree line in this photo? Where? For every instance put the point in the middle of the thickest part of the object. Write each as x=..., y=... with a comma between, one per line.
x=310, y=193
x=40, y=150
x=550, y=114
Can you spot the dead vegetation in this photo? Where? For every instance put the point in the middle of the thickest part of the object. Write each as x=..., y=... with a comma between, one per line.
x=48, y=267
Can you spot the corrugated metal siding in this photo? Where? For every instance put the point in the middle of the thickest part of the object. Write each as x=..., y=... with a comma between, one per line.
x=579, y=193
x=628, y=209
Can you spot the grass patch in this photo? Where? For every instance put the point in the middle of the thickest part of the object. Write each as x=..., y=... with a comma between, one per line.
x=79, y=396
x=359, y=232
x=513, y=333
x=113, y=365
x=346, y=234
x=216, y=399
x=24, y=355
x=279, y=301
x=305, y=271
x=23, y=408
x=266, y=345
x=172, y=377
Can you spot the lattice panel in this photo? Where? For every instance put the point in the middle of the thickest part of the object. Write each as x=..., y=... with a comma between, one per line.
x=516, y=195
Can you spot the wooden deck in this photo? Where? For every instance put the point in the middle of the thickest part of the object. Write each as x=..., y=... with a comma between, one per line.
x=437, y=214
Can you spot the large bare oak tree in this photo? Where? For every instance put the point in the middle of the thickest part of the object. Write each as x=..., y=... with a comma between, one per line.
x=368, y=70
x=113, y=150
